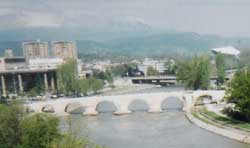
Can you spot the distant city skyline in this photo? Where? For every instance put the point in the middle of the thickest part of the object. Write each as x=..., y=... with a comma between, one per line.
x=224, y=17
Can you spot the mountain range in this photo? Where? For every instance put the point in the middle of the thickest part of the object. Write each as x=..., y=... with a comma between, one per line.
x=127, y=43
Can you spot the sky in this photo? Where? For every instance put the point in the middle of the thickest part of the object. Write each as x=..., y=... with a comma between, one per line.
x=221, y=17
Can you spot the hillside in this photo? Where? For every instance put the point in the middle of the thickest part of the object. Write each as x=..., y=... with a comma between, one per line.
x=146, y=45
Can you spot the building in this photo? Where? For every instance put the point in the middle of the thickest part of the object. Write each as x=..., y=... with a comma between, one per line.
x=33, y=50
x=16, y=76
x=64, y=50
x=8, y=53
x=12, y=63
x=14, y=81
x=49, y=63
x=231, y=56
x=35, y=69
x=19, y=81
x=157, y=65
x=226, y=51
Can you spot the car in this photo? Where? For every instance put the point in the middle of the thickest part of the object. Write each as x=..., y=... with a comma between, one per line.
x=53, y=96
x=60, y=95
x=39, y=97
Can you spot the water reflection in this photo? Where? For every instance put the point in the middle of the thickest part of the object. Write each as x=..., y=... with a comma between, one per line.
x=106, y=107
x=171, y=104
x=138, y=106
x=74, y=108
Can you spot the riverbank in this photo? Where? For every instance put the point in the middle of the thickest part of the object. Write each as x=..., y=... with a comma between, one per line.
x=217, y=127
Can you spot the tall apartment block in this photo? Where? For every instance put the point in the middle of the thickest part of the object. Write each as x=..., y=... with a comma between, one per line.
x=34, y=50
x=64, y=50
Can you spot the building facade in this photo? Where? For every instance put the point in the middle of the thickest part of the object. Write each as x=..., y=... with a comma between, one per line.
x=33, y=50
x=8, y=53
x=13, y=63
x=157, y=65
x=48, y=63
x=35, y=69
x=64, y=50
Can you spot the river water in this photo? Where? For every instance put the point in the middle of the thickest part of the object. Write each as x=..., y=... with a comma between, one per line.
x=169, y=129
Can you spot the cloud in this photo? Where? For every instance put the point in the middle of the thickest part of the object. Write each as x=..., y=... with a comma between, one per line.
x=40, y=19
x=5, y=11
x=224, y=17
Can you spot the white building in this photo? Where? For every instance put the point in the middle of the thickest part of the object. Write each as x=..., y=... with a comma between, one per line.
x=48, y=63
x=231, y=56
x=226, y=51
x=158, y=65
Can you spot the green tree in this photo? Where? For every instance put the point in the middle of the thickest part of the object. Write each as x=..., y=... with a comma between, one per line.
x=220, y=66
x=107, y=75
x=3, y=100
x=96, y=84
x=37, y=90
x=83, y=86
x=34, y=131
x=238, y=92
x=244, y=58
x=39, y=131
x=122, y=69
x=10, y=129
x=151, y=71
x=171, y=67
x=195, y=73
x=119, y=70
x=69, y=141
x=67, y=77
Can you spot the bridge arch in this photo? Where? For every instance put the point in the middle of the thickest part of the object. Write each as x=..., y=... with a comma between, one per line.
x=74, y=108
x=138, y=105
x=171, y=103
x=48, y=108
x=106, y=107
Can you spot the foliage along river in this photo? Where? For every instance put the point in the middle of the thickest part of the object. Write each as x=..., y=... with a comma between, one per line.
x=170, y=129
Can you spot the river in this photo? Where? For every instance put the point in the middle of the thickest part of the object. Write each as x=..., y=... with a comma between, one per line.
x=169, y=129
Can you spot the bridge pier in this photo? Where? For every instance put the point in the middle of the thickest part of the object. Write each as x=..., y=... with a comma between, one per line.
x=187, y=101
x=122, y=110
x=90, y=111
x=155, y=109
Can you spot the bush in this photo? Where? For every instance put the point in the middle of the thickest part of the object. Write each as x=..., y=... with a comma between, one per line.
x=96, y=84
x=71, y=141
x=10, y=129
x=39, y=131
x=233, y=113
x=238, y=93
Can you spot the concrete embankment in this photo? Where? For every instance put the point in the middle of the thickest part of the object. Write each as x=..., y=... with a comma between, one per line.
x=230, y=133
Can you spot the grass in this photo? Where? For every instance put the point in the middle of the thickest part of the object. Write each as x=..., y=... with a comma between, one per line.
x=215, y=119
x=196, y=113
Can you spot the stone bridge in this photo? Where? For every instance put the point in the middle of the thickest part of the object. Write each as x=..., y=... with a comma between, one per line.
x=121, y=103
